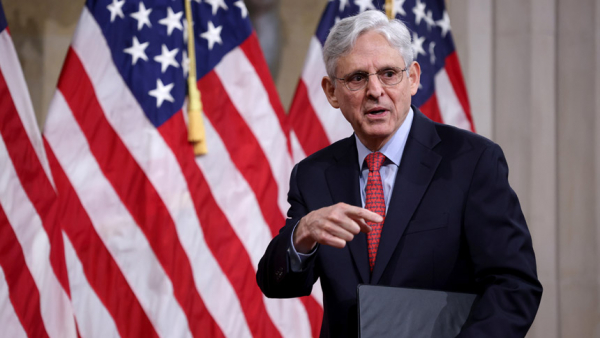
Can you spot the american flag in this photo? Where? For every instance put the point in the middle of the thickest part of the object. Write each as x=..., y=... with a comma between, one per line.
x=442, y=95
x=34, y=289
x=159, y=242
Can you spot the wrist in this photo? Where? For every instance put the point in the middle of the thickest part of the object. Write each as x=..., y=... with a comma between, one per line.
x=303, y=242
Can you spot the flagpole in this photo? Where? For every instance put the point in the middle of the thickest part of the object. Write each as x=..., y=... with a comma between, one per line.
x=389, y=9
x=196, y=134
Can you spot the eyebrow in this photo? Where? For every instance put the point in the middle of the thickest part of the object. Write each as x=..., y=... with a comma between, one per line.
x=366, y=72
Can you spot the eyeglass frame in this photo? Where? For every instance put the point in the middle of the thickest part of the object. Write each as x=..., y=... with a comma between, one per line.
x=368, y=76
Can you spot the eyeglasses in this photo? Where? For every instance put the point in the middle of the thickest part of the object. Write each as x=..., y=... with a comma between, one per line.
x=387, y=77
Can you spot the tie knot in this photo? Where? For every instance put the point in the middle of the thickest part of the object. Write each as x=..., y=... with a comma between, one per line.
x=375, y=160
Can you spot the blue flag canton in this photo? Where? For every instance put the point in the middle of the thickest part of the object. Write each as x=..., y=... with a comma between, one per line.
x=428, y=22
x=3, y=23
x=148, y=44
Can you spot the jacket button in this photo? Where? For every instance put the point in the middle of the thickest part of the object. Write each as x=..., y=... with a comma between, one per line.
x=279, y=274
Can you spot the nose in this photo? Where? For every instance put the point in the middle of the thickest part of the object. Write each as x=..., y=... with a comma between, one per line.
x=374, y=87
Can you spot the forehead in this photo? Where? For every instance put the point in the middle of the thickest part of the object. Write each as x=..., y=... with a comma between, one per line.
x=371, y=52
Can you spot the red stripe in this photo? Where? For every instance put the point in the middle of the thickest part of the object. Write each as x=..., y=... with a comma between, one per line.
x=253, y=52
x=33, y=179
x=243, y=147
x=101, y=271
x=315, y=314
x=136, y=192
x=220, y=237
x=431, y=109
x=305, y=123
x=456, y=78
x=22, y=290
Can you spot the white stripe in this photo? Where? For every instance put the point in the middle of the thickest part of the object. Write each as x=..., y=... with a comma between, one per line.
x=297, y=151
x=55, y=305
x=450, y=108
x=93, y=320
x=155, y=158
x=246, y=91
x=335, y=125
x=15, y=81
x=113, y=223
x=237, y=200
x=11, y=326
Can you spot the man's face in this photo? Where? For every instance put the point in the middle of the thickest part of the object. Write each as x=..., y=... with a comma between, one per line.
x=376, y=111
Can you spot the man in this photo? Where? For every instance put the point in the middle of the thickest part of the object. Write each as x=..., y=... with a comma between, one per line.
x=447, y=220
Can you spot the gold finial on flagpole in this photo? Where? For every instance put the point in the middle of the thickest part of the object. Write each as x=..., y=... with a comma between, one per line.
x=196, y=134
x=389, y=9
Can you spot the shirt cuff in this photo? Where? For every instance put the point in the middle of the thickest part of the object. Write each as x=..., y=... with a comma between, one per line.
x=297, y=259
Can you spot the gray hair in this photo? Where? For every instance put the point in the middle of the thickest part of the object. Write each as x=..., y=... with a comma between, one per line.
x=344, y=34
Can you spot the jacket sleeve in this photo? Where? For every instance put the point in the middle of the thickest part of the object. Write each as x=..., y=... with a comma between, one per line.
x=502, y=253
x=275, y=276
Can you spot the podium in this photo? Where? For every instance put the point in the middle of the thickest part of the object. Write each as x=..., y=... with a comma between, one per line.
x=402, y=312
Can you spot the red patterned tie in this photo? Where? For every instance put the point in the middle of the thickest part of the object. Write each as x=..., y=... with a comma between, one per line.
x=375, y=202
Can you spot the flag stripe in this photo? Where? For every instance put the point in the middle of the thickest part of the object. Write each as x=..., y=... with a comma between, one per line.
x=305, y=123
x=11, y=325
x=432, y=109
x=113, y=223
x=216, y=287
x=253, y=53
x=153, y=155
x=132, y=186
x=32, y=178
x=95, y=321
x=104, y=275
x=243, y=147
x=450, y=108
x=249, y=226
x=23, y=292
x=19, y=94
x=37, y=249
x=221, y=239
x=458, y=84
x=249, y=98
x=332, y=120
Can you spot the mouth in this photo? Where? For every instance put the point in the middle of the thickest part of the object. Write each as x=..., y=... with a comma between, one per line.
x=376, y=112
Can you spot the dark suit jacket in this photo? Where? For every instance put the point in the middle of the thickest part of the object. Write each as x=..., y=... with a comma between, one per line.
x=453, y=224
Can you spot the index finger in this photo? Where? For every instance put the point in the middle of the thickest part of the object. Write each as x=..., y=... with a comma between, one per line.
x=362, y=216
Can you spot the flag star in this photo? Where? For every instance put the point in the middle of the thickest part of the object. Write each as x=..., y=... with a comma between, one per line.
x=198, y=1
x=212, y=35
x=172, y=21
x=343, y=4
x=398, y=8
x=431, y=52
x=185, y=64
x=242, y=7
x=444, y=24
x=417, y=45
x=419, y=11
x=116, y=9
x=142, y=16
x=337, y=19
x=137, y=51
x=429, y=20
x=162, y=93
x=167, y=58
x=216, y=4
x=364, y=5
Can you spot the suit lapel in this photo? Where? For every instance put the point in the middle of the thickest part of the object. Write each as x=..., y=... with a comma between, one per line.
x=418, y=165
x=343, y=181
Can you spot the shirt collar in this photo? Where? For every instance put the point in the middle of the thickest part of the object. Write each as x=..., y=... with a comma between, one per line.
x=394, y=148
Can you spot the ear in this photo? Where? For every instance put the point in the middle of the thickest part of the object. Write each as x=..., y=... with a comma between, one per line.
x=329, y=89
x=414, y=77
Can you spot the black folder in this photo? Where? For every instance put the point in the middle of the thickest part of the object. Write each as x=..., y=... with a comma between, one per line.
x=402, y=312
